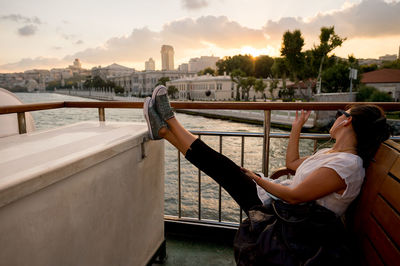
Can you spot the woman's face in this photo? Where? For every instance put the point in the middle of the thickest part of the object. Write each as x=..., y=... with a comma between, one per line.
x=341, y=119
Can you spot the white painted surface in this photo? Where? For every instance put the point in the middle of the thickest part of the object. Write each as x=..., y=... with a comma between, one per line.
x=9, y=122
x=81, y=195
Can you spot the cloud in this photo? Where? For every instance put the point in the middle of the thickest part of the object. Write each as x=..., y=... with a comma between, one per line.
x=20, y=18
x=182, y=34
x=27, y=30
x=219, y=31
x=32, y=63
x=368, y=19
x=194, y=4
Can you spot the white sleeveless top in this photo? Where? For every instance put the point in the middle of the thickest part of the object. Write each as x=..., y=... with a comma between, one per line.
x=348, y=166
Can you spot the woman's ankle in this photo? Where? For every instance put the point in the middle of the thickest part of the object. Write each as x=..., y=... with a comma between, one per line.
x=163, y=132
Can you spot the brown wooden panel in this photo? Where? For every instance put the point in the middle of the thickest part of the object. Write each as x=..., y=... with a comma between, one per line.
x=370, y=256
x=388, y=219
x=385, y=248
x=375, y=176
x=391, y=192
x=396, y=169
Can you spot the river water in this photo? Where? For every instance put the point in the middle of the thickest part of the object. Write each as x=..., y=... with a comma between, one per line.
x=209, y=189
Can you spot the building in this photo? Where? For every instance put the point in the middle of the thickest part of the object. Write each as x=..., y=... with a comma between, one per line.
x=215, y=88
x=76, y=65
x=60, y=73
x=167, y=57
x=197, y=64
x=183, y=67
x=385, y=80
x=143, y=83
x=113, y=70
x=150, y=65
x=388, y=57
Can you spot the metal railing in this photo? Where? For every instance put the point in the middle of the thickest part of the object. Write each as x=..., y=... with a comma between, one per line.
x=266, y=135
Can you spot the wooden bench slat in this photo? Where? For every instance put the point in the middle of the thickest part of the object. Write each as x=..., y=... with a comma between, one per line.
x=376, y=174
x=370, y=255
x=391, y=192
x=396, y=169
x=388, y=219
x=386, y=249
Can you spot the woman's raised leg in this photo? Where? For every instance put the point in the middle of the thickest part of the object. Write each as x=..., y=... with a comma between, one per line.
x=220, y=168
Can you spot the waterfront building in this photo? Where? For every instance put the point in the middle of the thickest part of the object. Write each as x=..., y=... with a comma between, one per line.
x=199, y=63
x=217, y=88
x=143, y=83
x=76, y=65
x=150, y=65
x=59, y=73
x=183, y=67
x=112, y=70
x=388, y=57
x=385, y=80
x=167, y=57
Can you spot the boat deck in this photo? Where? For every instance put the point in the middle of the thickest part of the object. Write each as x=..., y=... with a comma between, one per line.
x=185, y=251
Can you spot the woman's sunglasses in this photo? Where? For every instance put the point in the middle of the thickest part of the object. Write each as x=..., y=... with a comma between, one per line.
x=342, y=112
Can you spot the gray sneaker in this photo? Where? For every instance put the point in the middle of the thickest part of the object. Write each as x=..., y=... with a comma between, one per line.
x=160, y=98
x=154, y=122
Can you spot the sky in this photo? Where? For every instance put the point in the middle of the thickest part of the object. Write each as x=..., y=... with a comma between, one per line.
x=45, y=34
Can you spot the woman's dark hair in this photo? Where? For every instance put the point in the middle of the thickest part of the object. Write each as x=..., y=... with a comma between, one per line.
x=369, y=124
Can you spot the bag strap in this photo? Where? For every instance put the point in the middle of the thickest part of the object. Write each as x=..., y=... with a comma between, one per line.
x=284, y=219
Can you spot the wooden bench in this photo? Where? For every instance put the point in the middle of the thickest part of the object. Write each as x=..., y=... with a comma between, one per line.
x=377, y=212
x=374, y=217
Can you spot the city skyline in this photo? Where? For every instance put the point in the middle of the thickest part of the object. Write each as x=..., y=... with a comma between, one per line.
x=45, y=34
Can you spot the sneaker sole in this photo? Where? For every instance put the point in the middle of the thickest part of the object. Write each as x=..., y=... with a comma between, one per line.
x=156, y=90
x=146, y=115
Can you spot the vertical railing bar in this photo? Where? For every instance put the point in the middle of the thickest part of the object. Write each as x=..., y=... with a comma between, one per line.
x=179, y=187
x=266, y=139
x=102, y=116
x=315, y=145
x=219, y=187
x=21, y=123
x=241, y=164
x=199, y=190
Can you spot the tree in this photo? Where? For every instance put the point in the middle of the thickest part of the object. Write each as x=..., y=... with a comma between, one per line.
x=228, y=64
x=236, y=76
x=329, y=40
x=163, y=81
x=272, y=86
x=368, y=68
x=206, y=71
x=292, y=45
x=371, y=94
x=280, y=70
x=262, y=66
x=246, y=84
x=172, y=90
x=393, y=64
x=336, y=78
x=259, y=86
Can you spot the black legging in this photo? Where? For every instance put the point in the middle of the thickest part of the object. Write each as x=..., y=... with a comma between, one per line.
x=225, y=172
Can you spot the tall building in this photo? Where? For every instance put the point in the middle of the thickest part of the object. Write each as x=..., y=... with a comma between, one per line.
x=197, y=64
x=150, y=65
x=167, y=57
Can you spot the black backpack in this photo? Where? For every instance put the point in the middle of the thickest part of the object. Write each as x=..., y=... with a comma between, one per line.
x=287, y=234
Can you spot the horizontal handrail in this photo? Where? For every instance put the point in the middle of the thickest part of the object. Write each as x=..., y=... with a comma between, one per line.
x=196, y=105
x=255, y=134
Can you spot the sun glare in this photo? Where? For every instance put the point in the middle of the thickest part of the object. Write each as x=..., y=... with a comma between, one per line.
x=256, y=52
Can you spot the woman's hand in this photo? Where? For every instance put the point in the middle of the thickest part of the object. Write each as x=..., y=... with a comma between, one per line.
x=301, y=119
x=249, y=173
